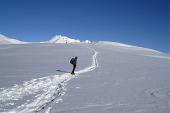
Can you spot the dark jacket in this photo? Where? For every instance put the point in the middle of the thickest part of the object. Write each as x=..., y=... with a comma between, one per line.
x=73, y=61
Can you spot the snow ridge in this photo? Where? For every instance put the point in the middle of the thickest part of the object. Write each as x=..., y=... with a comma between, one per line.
x=44, y=91
x=6, y=40
x=65, y=39
x=127, y=46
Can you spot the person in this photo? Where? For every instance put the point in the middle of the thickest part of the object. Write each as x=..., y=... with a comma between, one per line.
x=73, y=61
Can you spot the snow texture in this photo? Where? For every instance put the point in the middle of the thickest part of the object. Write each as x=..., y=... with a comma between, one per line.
x=110, y=78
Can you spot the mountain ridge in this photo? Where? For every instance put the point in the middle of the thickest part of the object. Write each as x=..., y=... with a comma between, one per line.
x=64, y=39
x=5, y=40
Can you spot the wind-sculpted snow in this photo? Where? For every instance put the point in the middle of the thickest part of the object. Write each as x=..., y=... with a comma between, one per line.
x=44, y=89
x=38, y=94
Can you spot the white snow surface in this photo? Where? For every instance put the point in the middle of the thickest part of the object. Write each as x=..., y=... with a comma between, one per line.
x=127, y=46
x=6, y=40
x=86, y=41
x=116, y=79
x=49, y=87
x=63, y=39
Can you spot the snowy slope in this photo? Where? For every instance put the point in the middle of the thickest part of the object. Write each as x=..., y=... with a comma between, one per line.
x=123, y=82
x=109, y=79
x=127, y=46
x=63, y=39
x=6, y=40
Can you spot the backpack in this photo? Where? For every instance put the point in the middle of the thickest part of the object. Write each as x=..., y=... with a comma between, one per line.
x=72, y=61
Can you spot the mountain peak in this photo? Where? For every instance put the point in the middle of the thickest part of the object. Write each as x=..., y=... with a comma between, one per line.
x=5, y=40
x=2, y=37
x=63, y=39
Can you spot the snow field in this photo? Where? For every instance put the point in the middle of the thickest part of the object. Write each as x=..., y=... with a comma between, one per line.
x=45, y=90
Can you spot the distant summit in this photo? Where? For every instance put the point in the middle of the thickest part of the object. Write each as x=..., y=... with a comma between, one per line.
x=6, y=40
x=86, y=41
x=63, y=39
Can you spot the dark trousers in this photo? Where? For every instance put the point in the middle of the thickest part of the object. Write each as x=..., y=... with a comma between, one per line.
x=74, y=67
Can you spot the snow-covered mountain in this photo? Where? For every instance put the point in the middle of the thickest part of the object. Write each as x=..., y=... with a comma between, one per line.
x=6, y=40
x=63, y=39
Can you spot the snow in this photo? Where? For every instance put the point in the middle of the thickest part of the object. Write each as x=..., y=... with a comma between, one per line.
x=48, y=110
x=109, y=78
x=86, y=41
x=50, y=88
x=127, y=46
x=63, y=39
x=124, y=82
x=115, y=43
x=159, y=56
x=6, y=40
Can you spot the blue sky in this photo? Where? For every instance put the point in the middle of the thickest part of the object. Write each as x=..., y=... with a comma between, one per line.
x=137, y=22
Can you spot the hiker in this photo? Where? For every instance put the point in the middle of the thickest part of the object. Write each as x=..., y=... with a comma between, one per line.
x=73, y=61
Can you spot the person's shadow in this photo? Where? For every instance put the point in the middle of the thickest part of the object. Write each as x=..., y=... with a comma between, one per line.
x=62, y=71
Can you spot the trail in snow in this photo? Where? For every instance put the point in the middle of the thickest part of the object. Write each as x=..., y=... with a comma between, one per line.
x=42, y=91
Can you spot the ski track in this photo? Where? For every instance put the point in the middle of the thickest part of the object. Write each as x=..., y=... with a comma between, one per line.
x=45, y=90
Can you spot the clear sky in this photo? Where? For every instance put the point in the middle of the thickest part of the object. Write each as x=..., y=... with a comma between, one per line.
x=137, y=22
